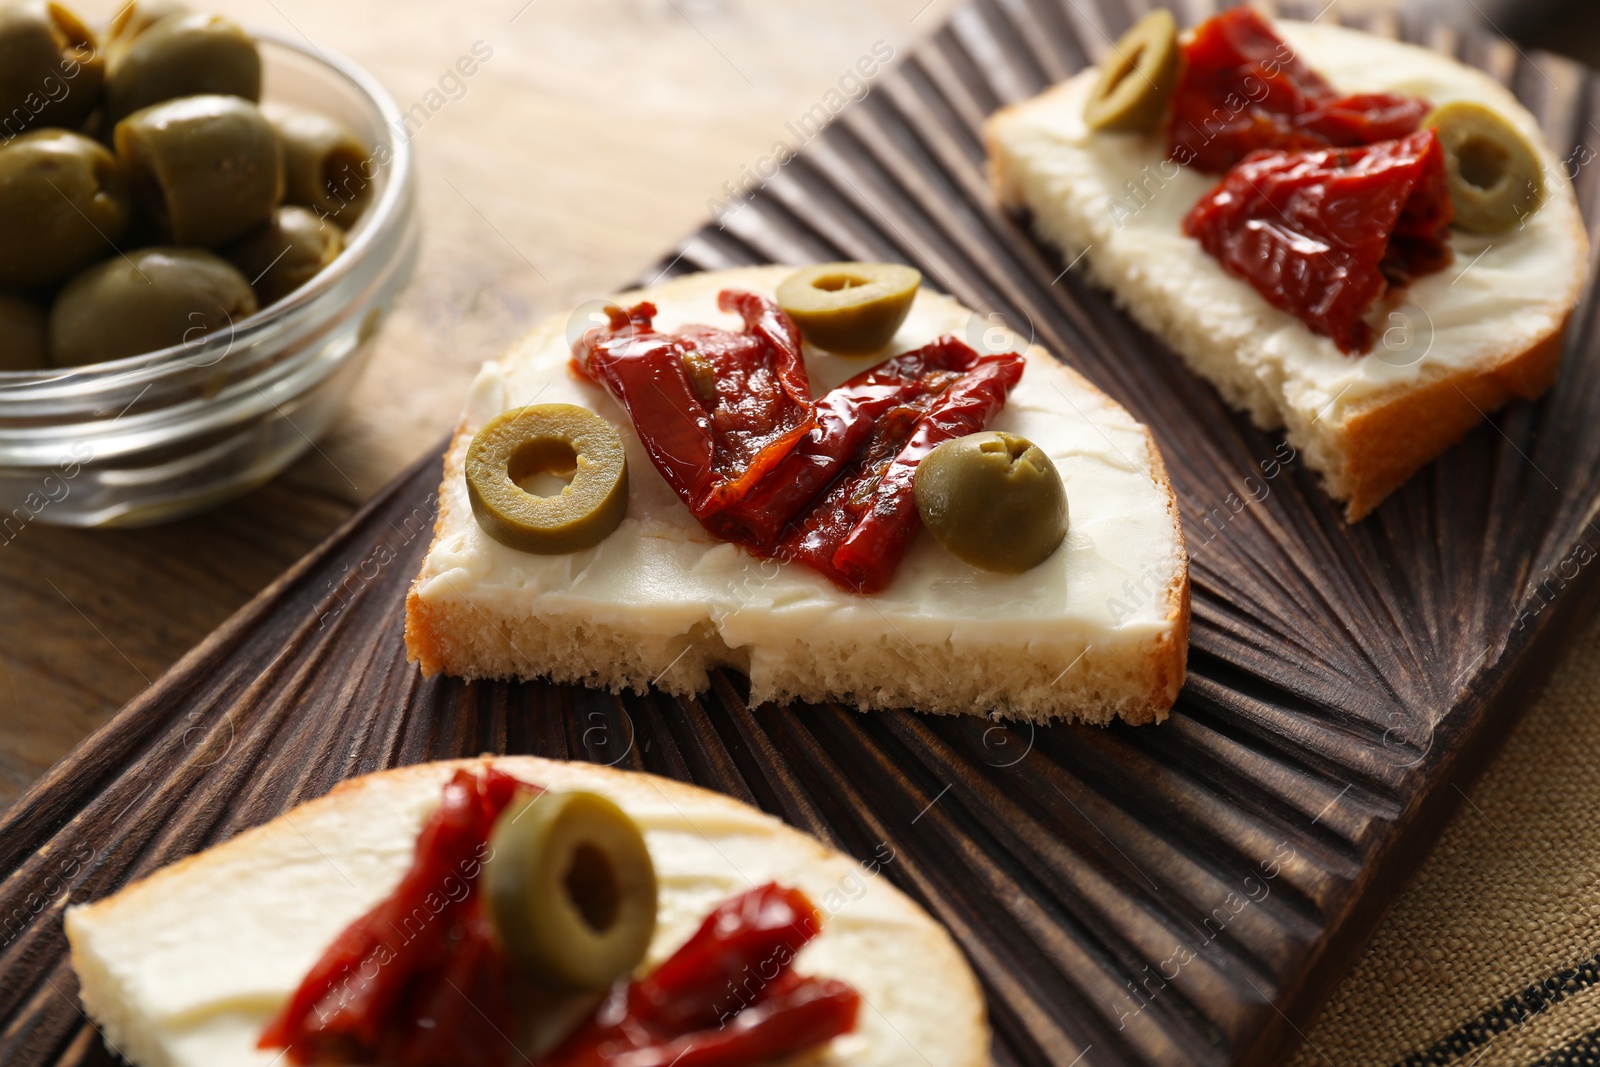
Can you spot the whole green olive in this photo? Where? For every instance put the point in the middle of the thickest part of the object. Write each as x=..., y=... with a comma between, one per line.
x=324, y=163
x=1494, y=174
x=287, y=252
x=1137, y=78
x=51, y=72
x=571, y=890
x=22, y=334
x=147, y=300
x=851, y=309
x=207, y=168
x=64, y=204
x=548, y=439
x=994, y=500
x=182, y=54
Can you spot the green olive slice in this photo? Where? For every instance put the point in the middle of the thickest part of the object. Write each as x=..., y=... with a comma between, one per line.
x=994, y=500
x=558, y=439
x=852, y=309
x=1496, y=179
x=1137, y=78
x=571, y=890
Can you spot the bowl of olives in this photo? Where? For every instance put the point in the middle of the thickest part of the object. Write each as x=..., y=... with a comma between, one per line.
x=201, y=230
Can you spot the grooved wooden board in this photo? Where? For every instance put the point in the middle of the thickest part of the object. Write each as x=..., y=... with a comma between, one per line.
x=1184, y=894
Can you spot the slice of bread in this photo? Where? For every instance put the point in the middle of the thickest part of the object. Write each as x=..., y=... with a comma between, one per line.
x=1458, y=344
x=1098, y=630
x=184, y=968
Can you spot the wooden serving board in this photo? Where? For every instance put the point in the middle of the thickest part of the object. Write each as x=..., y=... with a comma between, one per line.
x=1181, y=894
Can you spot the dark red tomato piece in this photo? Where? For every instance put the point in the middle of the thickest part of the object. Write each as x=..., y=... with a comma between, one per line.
x=694, y=987
x=794, y=1014
x=722, y=417
x=728, y=997
x=845, y=419
x=1242, y=89
x=393, y=987
x=715, y=409
x=1323, y=234
x=859, y=531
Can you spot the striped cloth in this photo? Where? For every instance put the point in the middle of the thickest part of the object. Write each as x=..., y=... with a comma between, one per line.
x=1491, y=957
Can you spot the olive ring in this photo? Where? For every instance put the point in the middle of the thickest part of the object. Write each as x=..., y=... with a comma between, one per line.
x=1138, y=79
x=571, y=889
x=556, y=439
x=850, y=309
x=1496, y=180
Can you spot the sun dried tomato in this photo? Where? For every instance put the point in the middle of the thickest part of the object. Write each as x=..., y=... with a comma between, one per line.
x=410, y=982
x=1243, y=89
x=715, y=409
x=845, y=418
x=1323, y=234
x=837, y=496
x=859, y=530
x=728, y=997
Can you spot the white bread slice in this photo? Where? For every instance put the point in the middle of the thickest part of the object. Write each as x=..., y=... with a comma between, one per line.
x=184, y=968
x=1098, y=630
x=1466, y=340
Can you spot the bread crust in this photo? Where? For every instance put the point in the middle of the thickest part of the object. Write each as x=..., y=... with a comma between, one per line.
x=1380, y=442
x=1388, y=439
x=963, y=1017
x=423, y=646
x=1170, y=661
x=436, y=633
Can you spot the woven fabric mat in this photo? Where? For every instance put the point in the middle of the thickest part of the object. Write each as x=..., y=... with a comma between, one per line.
x=1491, y=957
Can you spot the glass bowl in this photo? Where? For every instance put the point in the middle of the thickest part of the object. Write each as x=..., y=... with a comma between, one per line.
x=165, y=434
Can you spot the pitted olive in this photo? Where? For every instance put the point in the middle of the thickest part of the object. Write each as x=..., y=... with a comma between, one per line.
x=324, y=163
x=182, y=54
x=571, y=890
x=1494, y=173
x=1137, y=78
x=207, y=168
x=150, y=299
x=995, y=500
x=63, y=205
x=852, y=309
x=287, y=252
x=22, y=334
x=51, y=72
x=558, y=439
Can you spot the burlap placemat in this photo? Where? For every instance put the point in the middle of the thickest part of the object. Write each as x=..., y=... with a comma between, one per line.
x=1491, y=957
